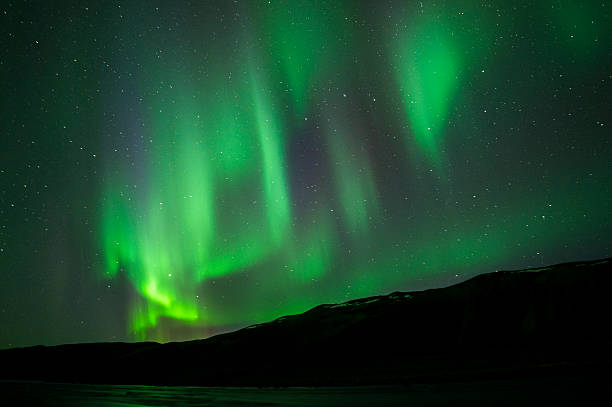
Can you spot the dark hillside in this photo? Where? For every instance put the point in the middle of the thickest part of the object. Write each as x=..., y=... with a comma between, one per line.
x=550, y=320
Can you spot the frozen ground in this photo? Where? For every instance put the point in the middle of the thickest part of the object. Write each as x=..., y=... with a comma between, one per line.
x=540, y=392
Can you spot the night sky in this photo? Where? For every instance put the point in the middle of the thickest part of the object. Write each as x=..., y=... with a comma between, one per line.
x=174, y=169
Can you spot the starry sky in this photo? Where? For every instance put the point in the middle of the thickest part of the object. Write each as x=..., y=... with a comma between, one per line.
x=172, y=170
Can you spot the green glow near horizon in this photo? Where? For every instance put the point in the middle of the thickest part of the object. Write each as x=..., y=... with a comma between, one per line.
x=165, y=233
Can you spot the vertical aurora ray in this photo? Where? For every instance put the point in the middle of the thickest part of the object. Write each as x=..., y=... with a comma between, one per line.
x=272, y=152
x=428, y=61
x=353, y=177
x=175, y=224
x=302, y=38
x=433, y=50
x=204, y=210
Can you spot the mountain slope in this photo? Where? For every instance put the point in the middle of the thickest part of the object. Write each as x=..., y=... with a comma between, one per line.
x=551, y=319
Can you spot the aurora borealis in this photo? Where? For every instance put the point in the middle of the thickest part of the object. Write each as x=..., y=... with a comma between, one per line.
x=171, y=170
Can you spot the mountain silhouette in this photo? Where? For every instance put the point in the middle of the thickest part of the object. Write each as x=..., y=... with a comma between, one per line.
x=550, y=320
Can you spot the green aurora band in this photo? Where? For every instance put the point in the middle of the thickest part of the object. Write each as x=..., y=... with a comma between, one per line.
x=432, y=51
x=212, y=200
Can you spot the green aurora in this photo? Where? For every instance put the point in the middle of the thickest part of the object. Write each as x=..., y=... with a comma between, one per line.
x=216, y=199
x=222, y=164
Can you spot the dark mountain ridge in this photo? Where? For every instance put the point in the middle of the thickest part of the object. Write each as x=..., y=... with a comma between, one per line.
x=550, y=320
